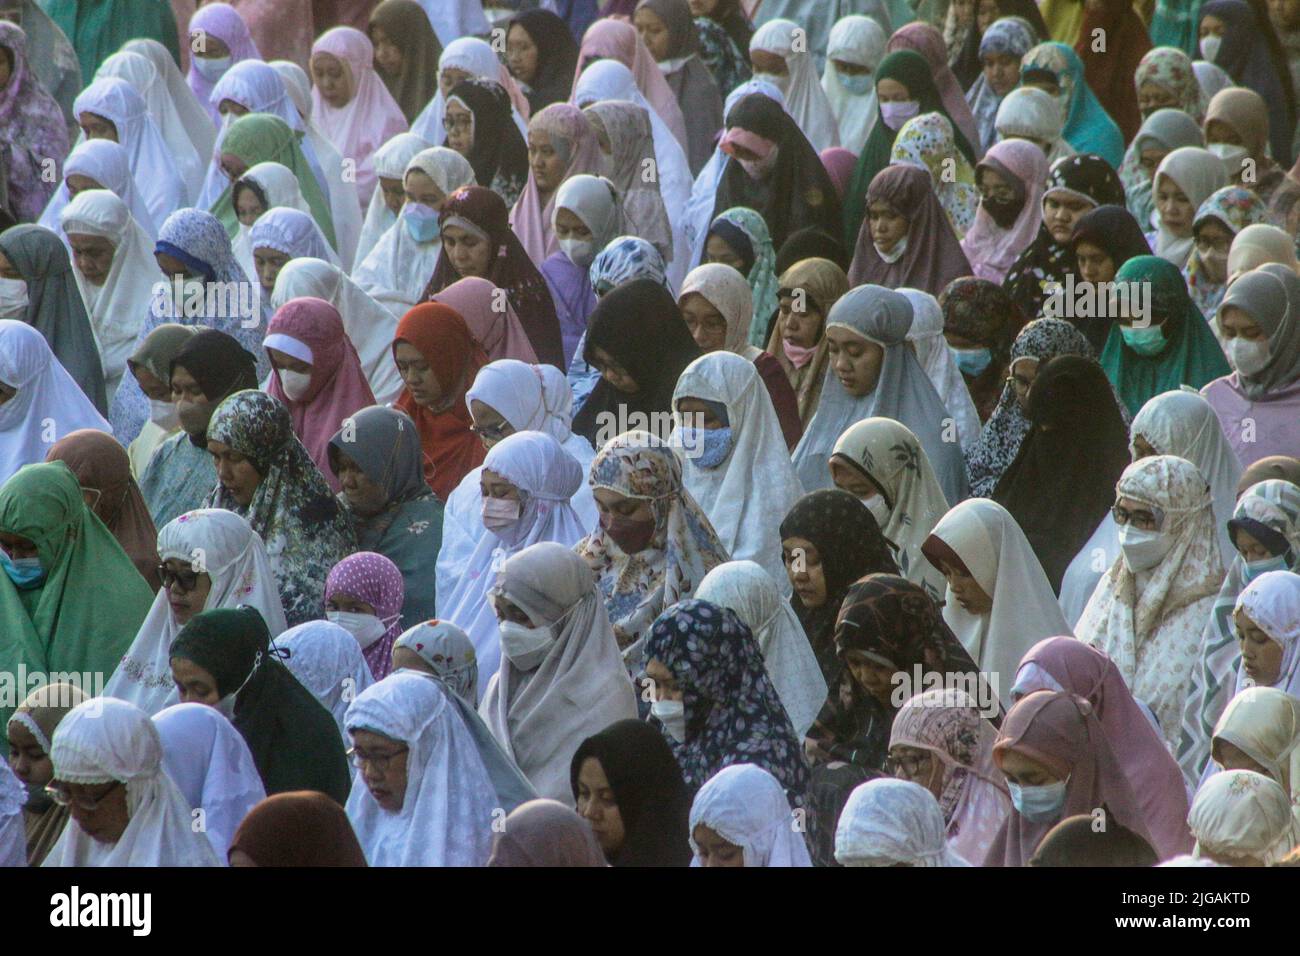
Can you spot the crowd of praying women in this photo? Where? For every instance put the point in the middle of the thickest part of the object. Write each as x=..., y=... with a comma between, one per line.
x=650, y=433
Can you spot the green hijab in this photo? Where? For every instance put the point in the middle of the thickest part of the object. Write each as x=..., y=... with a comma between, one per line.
x=294, y=740
x=910, y=69
x=84, y=616
x=1191, y=355
x=263, y=138
x=98, y=29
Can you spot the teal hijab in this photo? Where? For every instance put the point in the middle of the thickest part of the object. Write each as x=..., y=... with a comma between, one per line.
x=1088, y=127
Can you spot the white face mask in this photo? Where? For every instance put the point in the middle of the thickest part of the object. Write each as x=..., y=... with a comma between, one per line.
x=1247, y=357
x=499, y=513
x=1210, y=46
x=878, y=508
x=1143, y=550
x=212, y=69
x=164, y=415
x=295, y=384
x=894, y=254
x=581, y=252
x=366, y=628
x=13, y=298
x=524, y=646
x=672, y=714
x=1232, y=156
x=780, y=81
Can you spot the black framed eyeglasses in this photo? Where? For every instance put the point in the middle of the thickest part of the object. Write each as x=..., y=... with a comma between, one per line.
x=187, y=578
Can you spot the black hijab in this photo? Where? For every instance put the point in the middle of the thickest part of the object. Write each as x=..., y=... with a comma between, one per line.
x=1113, y=229
x=1062, y=482
x=499, y=151
x=641, y=328
x=968, y=65
x=557, y=57
x=648, y=786
x=220, y=365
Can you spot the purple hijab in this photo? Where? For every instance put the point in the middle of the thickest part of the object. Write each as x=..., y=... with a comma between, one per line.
x=574, y=299
x=222, y=21
x=32, y=124
x=372, y=578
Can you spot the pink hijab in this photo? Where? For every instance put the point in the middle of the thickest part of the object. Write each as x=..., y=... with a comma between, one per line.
x=991, y=249
x=1061, y=731
x=369, y=119
x=617, y=40
x=1152, y=773
x=839, y=164
x=575, y=140
x=928, y=41
x=222, y=21
x=338, y=385
x=497, y=330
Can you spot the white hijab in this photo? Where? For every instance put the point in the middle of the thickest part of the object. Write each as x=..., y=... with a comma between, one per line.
x=747, y=524
x=1198, y=173
x=1272, y=601
x=747, y=589
x=327, y=660
x=398, y=269
x=1242, y=813
x=747, y=807
x=48, y=404
x=13, y=829
x=280, y=187
x=390, y=163
x=888, y=821
x=118, y=307
x=477, y=58
x=1029, y=113
x=369, y=326
x=926, y=336
x=231, y=553
x=448, y=811
x=208, y=760
x=805, y=100
x=193, y=116
x=861, y=41
x=547, y=477
x=106, y=163
x=104, y=740
x=581, y=686
x=989, y=542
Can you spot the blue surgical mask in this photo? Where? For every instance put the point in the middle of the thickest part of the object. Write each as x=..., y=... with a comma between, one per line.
x=421, y=221
x=212, y=68
x=972, y=362
x=25, y=573
x=858, y=84
x=1255, y=568
x=1038, y=804
x=706, y=447
x=1145, y=341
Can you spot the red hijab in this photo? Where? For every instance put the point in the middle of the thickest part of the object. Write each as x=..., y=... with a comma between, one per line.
x=443, y=338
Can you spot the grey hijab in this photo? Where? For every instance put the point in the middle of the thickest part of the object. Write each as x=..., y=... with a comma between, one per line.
x=1270, y=295
x=384, y=442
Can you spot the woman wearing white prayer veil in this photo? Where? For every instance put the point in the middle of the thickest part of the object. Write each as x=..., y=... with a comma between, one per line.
x=1241, y=818
x=872, y=373
x=1267, y=622
x=144, y=79
x=463, y=59
x=998, y=601
x=390, y=166
x=112, y=109
x=699, y=209
x=213, y=559
x=528, y=481
x=509, y=396
x=889, y=822
x=741, y=817
x=805, y=100
x=36, y=390
x=195, y=119
x=932, y=351
x=1029, y=113
x=207, y=759
x=747, y=589
x=268, y=185
x=327, y=660
x=396, y=272
x=117, y=292
x=726, y=429
x=561, y=677
x=369, y=326
x=99, y=164
x=108, y=751
x=859, y=41
x=343, y=209
x=1180, y=423
x=427, y=799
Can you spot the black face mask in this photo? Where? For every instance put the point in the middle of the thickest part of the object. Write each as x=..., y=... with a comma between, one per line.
x=1003, y=211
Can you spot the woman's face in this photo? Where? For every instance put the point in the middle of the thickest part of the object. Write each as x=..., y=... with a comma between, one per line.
x=1142, y=448
x=569, y=226
x=186, y=392
x=1261, y=656
x=108, y=821
x=381, y=762
x=1211, y=26
x=489, y=424
x=388, y=55
x=393, y=192
x=1095, y=263
x=406, y=659
x=1002, y=72
x=1176, y=210
x=29, y=761
x=632, y=516
x=1249, y=547
x=247, y=206
x=330, y=74
x=97, y=127
x=232, y=109
x=714, y=850
x=1235, y=322
x=1213, y=240
x=1231, y=757
x=233, y=166
x=458, y=121
x=717, y=249
x=235, y=472
x=803, y=565
x=1060, y=213
x=194, y=684
x=349, y=604
x=364, y=497
x=1154, y=96
x=1150, y=158
x=1022, y=374
x=92, y=255
x=16, y=546
x=852, y=480
x=966, y=590
x=855, y=361
x=873, y=677
x=470, y=254
x=919, y=766
x=419, y=187
x=78, y=183
x=268, y=263
x=545, y=161
x=187, y=595
x=764, y=61
x=493, y=485
x=888, y=226
x=449, y=77
x=521, y=54
x=619, y=378
x=598, y=806
x=653, y=31
x=800, y=322
x=417, y=375
x=706, y=324
x=891, y=91
x=1025, y=771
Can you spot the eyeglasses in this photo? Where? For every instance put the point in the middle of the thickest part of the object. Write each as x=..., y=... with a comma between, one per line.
x=60, y=794
x=1020, y=384
x=491, y=432
x=380, y=762
x=1000, y=194
x=188, y=579
x=1142, y=520
x=453, y=123
x=909, y=767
